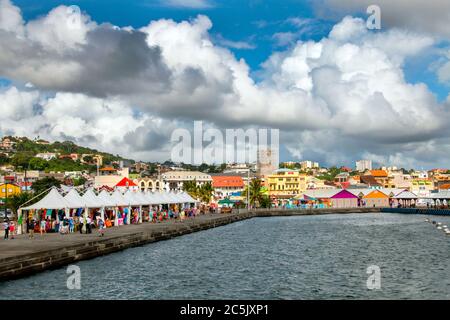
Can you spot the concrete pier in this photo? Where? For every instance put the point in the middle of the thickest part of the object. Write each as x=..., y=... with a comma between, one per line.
x=23, y=256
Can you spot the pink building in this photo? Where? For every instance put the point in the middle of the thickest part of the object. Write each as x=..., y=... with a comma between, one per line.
x=344, y=199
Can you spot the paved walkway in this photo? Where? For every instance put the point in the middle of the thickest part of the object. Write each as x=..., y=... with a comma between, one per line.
x=22, y=245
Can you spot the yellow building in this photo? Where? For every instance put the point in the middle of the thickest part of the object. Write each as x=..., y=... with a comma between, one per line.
x=422, y=187
x=8, y=190
x=285, y=183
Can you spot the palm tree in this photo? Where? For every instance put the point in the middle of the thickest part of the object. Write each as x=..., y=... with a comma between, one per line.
x=205, y=192
x=191, y=188
x=256, y=195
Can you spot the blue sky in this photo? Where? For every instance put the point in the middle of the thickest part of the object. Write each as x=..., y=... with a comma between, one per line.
x=253, y=22
x=335, y=101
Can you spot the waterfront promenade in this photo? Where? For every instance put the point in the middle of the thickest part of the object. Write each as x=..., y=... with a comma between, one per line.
x=23, y=256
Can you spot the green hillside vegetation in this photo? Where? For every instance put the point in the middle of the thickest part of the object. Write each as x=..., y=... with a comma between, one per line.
x=25, y=150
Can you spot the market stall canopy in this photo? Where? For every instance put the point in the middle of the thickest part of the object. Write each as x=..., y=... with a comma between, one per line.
x=175, y=197
x=407, y=195
x=132, y=198
x=118, y=199
x=151, y=198
x=91, y=199
x=142, y=196
x=187, y=198
x=164, y=198
x=105, y=199
x=53, y=200
x=226, y=201
x=74, y=200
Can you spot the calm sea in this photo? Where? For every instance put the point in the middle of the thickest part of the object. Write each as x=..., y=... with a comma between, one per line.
x=314, y=257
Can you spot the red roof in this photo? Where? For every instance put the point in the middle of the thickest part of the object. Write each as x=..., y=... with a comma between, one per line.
x=125, y=182
x=227, y=181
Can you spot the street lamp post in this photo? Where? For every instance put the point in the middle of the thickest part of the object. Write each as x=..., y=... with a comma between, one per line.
x=248, y=189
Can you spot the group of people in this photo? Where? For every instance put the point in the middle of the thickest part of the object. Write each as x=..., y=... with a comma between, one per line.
x=10, y=229
x=179, y=215
x=79, y=223
x=65, y=226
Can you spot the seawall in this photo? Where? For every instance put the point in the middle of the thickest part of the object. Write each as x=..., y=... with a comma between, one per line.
x=22, y=256
x=433, y=212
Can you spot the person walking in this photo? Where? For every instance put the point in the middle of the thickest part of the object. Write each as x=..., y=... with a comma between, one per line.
x=101, y=227
x=43, y=226
x=6, y=228
x=71, y=225
x=12, y=229
x=80, y=224
x=31, y=226
x=88, y=225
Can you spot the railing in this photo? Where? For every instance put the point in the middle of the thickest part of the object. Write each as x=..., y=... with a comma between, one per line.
x=427, y=211
x=304, y=209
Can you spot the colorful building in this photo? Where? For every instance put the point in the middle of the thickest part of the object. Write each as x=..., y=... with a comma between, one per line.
x=286, y=183
x=382, y=177
x=376, y=198
x=176, y=179
x=126, y=184
x=344, y=199
x=224, y=186
x=8, y=190
x=336, y=198
x=422, y=187
x=149, y=184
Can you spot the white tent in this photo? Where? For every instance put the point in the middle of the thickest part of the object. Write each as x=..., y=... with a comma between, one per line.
x=53, y=200
x=118, y=199
x=165, y=198
x=105, y=199
x=91, y=199
x=132, y=198
x=187, y=198
x=175, y=197
x=142, y=196
x=75, y=200
x=153, y=197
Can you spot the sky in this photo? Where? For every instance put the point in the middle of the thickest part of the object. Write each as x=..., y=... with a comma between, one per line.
x=132, y=72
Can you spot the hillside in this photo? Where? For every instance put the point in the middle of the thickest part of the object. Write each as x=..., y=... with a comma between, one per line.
x=21, y=152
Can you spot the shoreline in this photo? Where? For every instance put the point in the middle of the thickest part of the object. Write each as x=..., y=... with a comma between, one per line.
x=23, y=257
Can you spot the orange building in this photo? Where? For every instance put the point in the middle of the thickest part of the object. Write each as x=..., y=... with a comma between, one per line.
x=226, y=185
x=377, y=199
x=382, y=177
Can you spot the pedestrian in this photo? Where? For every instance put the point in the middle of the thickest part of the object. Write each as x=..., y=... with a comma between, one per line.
x=31, y=226
x=71, y=224
x=43, y=226
x=12, y=229
x=88, y=225
x=80, y=225
x=101, y=227
x=6, y=228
